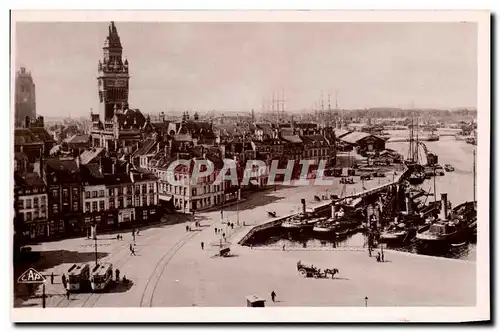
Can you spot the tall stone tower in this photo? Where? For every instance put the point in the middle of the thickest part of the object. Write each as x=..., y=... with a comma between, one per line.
x=113, y=77
x=25, y=100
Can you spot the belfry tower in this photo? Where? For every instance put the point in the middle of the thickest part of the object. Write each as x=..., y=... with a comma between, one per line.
x=113, y=78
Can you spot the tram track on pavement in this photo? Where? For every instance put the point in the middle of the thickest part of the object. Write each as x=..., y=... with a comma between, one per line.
x=149, y=290
x=86, y=297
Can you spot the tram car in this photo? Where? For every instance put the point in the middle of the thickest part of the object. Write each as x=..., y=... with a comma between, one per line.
x=78, y=277
x=102, y=275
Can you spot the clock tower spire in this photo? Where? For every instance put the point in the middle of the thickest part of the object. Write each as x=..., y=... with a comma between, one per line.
x=113, y=77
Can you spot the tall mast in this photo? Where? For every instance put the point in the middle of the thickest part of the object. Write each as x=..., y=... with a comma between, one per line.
x=272, y=107
x=322, y=107
x=474, y=174
x=329, y=111
x=283, y=105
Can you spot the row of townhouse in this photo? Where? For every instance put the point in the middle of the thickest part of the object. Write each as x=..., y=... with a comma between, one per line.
x=69, y=197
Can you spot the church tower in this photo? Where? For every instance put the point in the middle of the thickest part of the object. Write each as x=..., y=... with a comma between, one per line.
x=113, y=77
x=25, y=101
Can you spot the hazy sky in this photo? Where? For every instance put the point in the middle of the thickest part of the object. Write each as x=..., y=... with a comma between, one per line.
x=233, y=66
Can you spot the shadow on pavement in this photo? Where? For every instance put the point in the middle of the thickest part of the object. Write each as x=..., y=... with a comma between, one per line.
x=120, y=287
x=48, y=260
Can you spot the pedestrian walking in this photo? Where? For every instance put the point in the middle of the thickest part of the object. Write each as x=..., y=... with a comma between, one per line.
x=378, y=257
x=202, y=245
x=232, y=226
x=187, y=228
x=215, y=230
x=118, y=236
x=137, y=232
x=117, y=275
x=63, y=279
x=52, y=278
x=67, y=294
x=283, y=247
x=382, y=256
x=132, y=250
x=273, y=296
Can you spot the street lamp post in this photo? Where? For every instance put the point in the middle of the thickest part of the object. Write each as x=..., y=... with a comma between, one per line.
x=95, y=241
x=238, y=207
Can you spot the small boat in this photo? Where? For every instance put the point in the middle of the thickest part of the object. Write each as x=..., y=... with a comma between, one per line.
x=461, y=222
x=449, y=168
x=301, y=221
x=417, y=178
x=337, y=227
x=394, y=233
x=471, y=140
x=433, y=138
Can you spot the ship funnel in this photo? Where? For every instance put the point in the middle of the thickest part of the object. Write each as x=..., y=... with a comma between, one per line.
x=334, y=208
x=408, y=204
x=444, y=206
x=303, y=201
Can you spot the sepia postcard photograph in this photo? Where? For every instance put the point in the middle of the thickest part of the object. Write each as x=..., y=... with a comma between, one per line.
x=250, y=166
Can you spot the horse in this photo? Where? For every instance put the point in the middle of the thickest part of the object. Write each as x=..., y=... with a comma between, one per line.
x=333, y=272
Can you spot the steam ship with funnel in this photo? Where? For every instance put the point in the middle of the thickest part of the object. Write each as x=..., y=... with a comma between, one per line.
x=450, y=228
x=455, y=226
x=340, y=223
x=303, y=221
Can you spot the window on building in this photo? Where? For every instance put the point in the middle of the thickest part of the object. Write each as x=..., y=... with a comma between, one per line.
x=87, y=194
x=35, y=190
x=55, y=193
x=111, y=191
x=185, y=191
x=28, y=216
x=193, y=192
x=129, y=190
x=120, y=190
x=151, y=187
x=137, y=201
x=43, y=201
x=87, y=207
x=111, y=203
x=75, y=205
x=94, y=194
x=97, y=219
x=55, y=208
x=145, y=214
x=144, y=188
x=27, y=203
x=151, y=199
x=101, y=205
x=101, y=193
x=129, y=201
x=143, y=201
x=35, y=214
x=65, y=193
x=137, y=190
x=35, y=202
x=120, y=203
x=94, y=206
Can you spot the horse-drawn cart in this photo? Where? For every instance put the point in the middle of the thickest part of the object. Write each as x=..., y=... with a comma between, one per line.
x=224, y=252
x=314, y=272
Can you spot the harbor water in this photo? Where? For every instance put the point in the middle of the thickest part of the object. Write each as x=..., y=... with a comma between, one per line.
x=458, y=185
